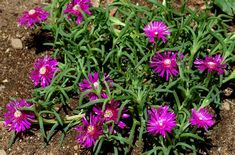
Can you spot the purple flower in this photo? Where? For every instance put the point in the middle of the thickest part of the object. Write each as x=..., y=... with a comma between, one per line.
x=165, y=64
x=161, y=121
x=89, y=131
x=201, y=118
x=94, y=82
x=157, y=29
x=211, y=64
x=110, y=113
x=44, y=69
x=17, y=119
x=75, y=6
x=31, y=17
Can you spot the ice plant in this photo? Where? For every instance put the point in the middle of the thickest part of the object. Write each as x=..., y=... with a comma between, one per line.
x=211, y=64
x=161, y=121
x=110, y=113
x=32, y=17
x=44, y=69
x=95, y=83
x=201, y=118
x=18, y=120
x=157, y=29
x=89, y=131
x=165, y=64
x=76, y=6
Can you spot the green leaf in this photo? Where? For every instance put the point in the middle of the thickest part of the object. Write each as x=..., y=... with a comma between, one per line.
x=185, y=145
x=41, y=125
x=12, y=140
x=228, y=6
x=192, y=136
x=52, y=131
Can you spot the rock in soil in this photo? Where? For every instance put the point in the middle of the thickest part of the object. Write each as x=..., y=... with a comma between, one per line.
x=16, y=43
x=2, y=87
x=225, y=106
x=2, y=152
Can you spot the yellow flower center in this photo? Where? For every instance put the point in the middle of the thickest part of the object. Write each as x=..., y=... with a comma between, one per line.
x=31, y=12
x=108, y=114
x=96, y=84
x=17, y=114
x=211, y=64
x=160, y=123
x=43, y=70
x=90, y=128
x=167, y=62
x=76, y=7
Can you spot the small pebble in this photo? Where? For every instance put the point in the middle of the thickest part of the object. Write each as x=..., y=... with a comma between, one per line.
x=2, y=87
x=2, y=152
x=75, y=147
x=225, y=106
x=16, y=43
x=5, y=81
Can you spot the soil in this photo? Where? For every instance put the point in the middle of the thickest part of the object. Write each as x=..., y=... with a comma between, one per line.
x=15, y=66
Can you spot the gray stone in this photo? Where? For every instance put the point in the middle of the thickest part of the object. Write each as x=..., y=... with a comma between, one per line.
x=16, y=43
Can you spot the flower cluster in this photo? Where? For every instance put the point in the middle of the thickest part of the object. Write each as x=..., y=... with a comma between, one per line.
x=17, y=119
x=161, y=121
x=211, y=64
x=76, y=6
x=157, y=29
x=110, y=113
x=32, y=17
x=201, y=118
x=166, y=64
x=44, y=69
x=37, y=15
x=90, y=131
x=96, y=85
x=106, y=115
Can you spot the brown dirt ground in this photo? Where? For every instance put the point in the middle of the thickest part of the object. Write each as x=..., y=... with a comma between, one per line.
x=15, y=66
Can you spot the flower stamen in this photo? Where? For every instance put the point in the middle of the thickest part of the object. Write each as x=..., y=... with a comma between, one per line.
x=17, y=114
x=167, y=63
x=76, y=7
x=90, y=128
x=31, y=12
x=43, y=70
x=211, y=64
x=108, y=114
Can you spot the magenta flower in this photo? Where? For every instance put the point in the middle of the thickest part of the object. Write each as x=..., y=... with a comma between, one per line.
x=95, y=83
x=161, y=121
x=157, y=29
x=201, y=118
x=44, y=69
x=75, y=6
x=110, y=113
x=17, y=119
x=32, y=17
x=165, y=64
x=89, y=131
x=211, y=64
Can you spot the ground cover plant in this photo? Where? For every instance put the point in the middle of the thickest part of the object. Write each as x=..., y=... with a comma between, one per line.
x=144, y=75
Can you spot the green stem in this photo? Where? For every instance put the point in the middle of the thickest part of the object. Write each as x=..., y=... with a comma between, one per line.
x=67, y=119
